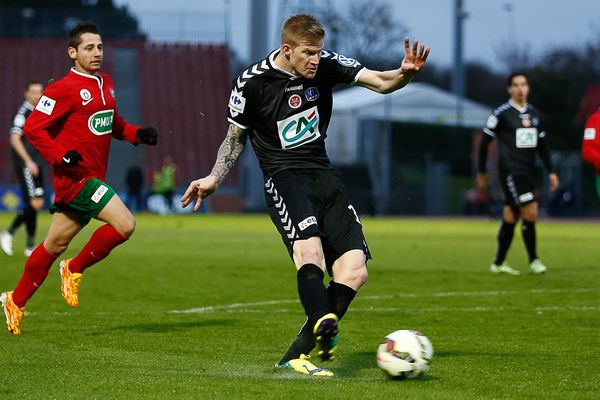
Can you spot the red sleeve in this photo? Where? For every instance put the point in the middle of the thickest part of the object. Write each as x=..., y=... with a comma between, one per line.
x=590, y=148
x=121, y=129
x=45, y=121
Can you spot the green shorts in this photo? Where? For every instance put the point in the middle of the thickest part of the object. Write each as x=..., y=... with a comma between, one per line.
x=88, y=203
x=598, y=186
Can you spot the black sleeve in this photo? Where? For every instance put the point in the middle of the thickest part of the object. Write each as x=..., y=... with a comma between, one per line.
x=545, y=155
x=483, y=151
x=339, y=68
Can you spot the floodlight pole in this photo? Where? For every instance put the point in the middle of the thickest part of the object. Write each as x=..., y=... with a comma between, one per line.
x=458, y=79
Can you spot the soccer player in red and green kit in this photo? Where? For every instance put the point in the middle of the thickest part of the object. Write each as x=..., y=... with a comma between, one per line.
x=72, y=127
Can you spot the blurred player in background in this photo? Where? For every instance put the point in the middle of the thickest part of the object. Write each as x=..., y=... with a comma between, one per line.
x=590, y=148
x=72, y=126
x=284, y=104
x=28, y=168
x=517, y=127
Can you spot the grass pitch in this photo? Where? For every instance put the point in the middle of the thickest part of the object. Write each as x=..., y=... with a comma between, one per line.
x=203, y=306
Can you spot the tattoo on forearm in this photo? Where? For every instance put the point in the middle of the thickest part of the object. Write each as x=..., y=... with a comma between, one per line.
x=229, y=152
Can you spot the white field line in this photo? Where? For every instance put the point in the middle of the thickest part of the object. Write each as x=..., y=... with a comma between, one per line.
x=244, y=307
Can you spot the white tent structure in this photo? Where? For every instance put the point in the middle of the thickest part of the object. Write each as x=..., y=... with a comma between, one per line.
x=357, y=108
x=417, y=102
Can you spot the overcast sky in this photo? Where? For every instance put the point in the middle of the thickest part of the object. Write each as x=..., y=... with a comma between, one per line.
x=539, y=24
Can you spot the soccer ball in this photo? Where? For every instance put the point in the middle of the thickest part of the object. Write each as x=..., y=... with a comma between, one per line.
x=405, y=354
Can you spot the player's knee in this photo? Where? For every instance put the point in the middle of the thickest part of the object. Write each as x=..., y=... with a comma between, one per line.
x=361, y=277
x=37, y=203
x=56, y=247
x=127, y=227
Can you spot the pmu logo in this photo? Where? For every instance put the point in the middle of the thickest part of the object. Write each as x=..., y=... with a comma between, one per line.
x=299, y=129
x=101, y=122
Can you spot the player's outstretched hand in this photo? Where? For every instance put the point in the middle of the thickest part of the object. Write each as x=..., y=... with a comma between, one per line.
x=71, y=158
x=199, y=189
x=147, y=136
x=415, y=57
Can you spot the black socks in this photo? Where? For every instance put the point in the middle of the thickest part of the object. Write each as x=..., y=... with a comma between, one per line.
x=504, y=239
x=528, y=231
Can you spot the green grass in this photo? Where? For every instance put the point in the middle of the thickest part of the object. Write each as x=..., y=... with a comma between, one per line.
x=495, y=337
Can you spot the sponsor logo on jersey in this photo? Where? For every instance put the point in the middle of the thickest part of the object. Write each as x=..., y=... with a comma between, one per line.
x=299, y=129
x=311, y=94
x=526, y=138
x=526, y=197
x=307, y=222
x=294, y=88
x=237, y=103
x=295, y=101
x=101, y=191
x=19, y=121
x=589, y=134
x=346, y=61
x=45, y=105
x=492, y=122
x=100, y=123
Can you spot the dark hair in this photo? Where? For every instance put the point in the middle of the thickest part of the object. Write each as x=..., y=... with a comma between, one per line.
x=516, y=73
x=30, y=83
x=301, y=27
x=79, y=29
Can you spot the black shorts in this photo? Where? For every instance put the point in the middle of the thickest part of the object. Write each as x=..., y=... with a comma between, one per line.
x=518, y=190
x=307, y=203
x=31, y=186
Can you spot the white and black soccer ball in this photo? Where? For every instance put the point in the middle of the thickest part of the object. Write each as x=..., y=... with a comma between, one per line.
x=405, y=354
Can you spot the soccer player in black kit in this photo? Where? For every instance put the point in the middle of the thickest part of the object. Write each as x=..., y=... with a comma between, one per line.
x=283, y=104
x=517, y=127
x=28, y=167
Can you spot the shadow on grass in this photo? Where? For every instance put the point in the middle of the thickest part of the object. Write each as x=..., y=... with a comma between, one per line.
x=166, y=326
x=352, y=365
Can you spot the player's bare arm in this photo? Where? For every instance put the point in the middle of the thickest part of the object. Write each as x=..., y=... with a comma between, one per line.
x=17, y=145
x=481, y=181
x=554, y=181
x=415, y=58
x=227, y=156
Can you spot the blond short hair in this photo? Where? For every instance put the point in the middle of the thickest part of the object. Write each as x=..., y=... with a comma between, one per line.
x=301, y=28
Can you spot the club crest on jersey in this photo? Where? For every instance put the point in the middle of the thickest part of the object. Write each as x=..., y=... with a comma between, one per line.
x=295, y=101
x=100, y=123
x=311, y=94
x=299, y=129
x=45, y=105
x=86, y=96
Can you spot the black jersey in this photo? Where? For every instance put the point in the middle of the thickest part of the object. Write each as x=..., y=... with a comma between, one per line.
x=17, y=129
x=520, y=136
x=287, y=115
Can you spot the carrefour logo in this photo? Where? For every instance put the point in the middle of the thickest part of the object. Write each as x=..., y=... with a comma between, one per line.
x=100, y=123
x=299, y=129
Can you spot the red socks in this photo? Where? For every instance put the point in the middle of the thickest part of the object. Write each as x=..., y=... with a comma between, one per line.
x=103, y=240
x=36, y=269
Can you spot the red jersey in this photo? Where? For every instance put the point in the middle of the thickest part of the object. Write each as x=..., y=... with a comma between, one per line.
x=77, y=112
x=590, y=148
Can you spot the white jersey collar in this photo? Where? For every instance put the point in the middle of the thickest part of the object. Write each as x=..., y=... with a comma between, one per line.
x=514, y=105
x=272, y=57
